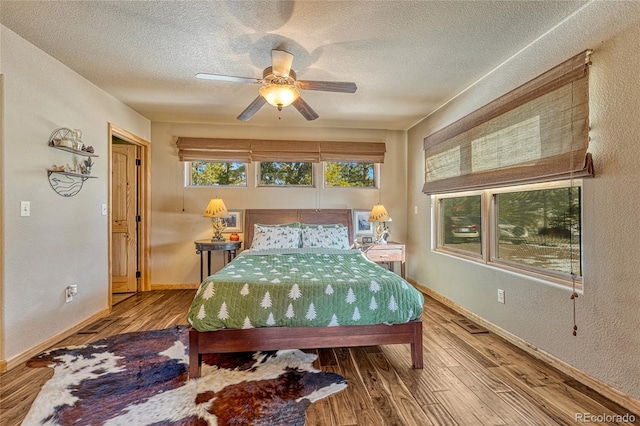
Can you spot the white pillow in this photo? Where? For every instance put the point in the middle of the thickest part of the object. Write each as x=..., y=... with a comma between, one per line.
x=266, y=237
x=325, y=236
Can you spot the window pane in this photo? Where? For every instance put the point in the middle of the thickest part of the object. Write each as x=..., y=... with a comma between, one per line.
x=350, y=175
x=285, y=174
x=541, y=229
x=460, y=223
x=205, y=173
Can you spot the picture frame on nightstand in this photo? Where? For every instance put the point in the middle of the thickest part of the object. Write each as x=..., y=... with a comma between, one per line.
x=234, y=221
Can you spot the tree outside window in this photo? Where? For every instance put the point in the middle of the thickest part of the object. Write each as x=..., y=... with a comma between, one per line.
x=272, y=173
x=541, y=228
x=349, y=175
x=206, y=173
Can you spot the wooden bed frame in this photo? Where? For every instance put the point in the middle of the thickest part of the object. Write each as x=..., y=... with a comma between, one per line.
x=276, y=338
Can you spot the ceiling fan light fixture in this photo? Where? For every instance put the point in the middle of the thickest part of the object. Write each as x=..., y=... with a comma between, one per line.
x=279, y=95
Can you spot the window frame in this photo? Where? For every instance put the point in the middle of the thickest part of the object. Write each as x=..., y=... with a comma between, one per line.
x=439, y=230
x=188, y=181
x=376, y=176
x=489, y=233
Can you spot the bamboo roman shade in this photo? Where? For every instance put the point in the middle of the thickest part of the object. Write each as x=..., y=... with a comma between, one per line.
x=245, y=151
x=535, y=133
x=223, y=150
x=296, y=151
x=357, y=152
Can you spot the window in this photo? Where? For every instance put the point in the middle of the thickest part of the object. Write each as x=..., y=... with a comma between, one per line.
x=461, y=224
x=533, y=229
x=349, y=175
x=272, y=173
x=536, y=137
x=207, y=173
x=540, y=229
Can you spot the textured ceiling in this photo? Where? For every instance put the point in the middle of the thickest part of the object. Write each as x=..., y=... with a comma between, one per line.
x=406, y=57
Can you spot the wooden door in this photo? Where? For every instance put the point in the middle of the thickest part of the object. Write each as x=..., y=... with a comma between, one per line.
x=123, y=219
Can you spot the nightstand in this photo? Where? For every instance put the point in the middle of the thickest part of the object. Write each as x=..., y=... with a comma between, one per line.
x=230, y=249
x=387, y=254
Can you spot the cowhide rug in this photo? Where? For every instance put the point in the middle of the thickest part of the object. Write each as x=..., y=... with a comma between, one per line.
x=140, y=378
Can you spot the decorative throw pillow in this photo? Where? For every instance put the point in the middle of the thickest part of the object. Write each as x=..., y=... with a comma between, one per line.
x=266, y=237
x=325, y=236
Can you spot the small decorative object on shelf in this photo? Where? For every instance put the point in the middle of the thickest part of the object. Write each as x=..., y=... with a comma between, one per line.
x=85, y=167
x=234, y=237
x=67, y=180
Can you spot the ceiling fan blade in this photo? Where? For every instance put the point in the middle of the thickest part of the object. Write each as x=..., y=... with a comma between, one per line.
x=304, y=109
x=219, y=77
x=281, y=63
x=252, y=109
x=328, y=86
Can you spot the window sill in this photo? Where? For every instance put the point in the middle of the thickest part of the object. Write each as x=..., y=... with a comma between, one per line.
x=559, y=280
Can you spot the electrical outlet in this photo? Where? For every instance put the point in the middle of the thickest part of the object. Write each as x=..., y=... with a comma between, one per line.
x=25, y=208
x=500, y=295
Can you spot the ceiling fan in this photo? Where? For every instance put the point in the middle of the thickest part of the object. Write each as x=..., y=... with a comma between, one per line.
x=280, y=87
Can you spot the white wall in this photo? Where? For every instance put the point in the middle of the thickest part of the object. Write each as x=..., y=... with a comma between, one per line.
x=173, y=257
x=608, y=313
x=64, y=241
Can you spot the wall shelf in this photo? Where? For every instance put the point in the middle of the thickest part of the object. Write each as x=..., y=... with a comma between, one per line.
x=74, y=151
x=79, y=175
x=69, y=183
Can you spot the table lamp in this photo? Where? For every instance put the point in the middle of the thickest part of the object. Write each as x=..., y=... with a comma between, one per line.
x=217, y=211
x=380, y=216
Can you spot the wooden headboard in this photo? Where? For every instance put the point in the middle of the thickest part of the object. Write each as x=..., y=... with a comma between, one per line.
x=311, y=216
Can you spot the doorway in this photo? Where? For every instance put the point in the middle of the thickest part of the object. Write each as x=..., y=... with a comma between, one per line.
x=129, y=212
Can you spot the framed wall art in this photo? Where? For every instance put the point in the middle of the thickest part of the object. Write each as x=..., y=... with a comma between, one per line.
x=361, y=224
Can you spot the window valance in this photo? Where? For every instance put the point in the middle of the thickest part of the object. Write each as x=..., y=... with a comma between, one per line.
x=535, y=133
x=243, y=150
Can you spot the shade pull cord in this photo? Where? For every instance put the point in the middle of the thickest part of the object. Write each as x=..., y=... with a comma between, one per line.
x=317, y=197
x=574, y=293
x=574, y=296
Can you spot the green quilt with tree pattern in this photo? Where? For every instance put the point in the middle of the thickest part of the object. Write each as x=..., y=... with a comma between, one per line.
x=303, y=288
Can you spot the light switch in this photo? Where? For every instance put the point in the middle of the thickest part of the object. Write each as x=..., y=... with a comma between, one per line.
x=104, y=210
x=25, y=208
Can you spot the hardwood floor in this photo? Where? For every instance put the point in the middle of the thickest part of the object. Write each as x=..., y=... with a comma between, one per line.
x=119, y=297
x=468, y=379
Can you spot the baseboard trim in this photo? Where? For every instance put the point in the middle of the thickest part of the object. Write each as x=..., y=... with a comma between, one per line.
x=174, y=286
x=6, y=365
x=620, y=398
